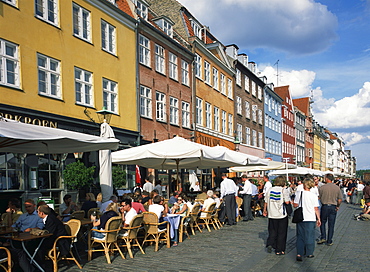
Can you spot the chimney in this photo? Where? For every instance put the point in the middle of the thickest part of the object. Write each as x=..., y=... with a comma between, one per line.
x=243, y=58
x=232, y=50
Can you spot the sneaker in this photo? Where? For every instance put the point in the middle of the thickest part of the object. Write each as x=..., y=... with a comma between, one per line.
x=321, y=241
x=330, y=244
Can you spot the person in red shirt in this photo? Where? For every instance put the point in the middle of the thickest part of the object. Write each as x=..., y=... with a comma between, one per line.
x=137, y=205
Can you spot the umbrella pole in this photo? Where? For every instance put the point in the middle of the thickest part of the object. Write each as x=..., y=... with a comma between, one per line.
x=177, y=171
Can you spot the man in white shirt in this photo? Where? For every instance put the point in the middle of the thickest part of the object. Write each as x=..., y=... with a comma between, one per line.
x=148, y=186
x=128, y=213
x=229, y=191
x=246, y=194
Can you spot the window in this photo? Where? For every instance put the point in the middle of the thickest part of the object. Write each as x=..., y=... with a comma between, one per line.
x=230, y=126
x=174, y=111
x=267, y=98
x=9, y=64
x=145, y=102
x=83, y=87
x=11, y=171
x=254, y=113
x=254, y=138
x=260, y=140
x=144, y=50
x=161, y=106
x=239, y=134
x=199, y=111
x=208, y=115
x=198, y=66
x=259, y=94
x=197, y=29
x=108, y=37
x=246, y=83
x=184, y=73
x=216, y=118
x=173, y=66
x=260, y=121
x=81, y=23
x=47, y=10
x=247, y=110
x=48, y=76
x=11, y=2
x=141, y=10
x=248, y=136
x=165, y=26
x=223, y=84
x=229, y=88
x=185, y=114
x=223, y=122
x=238, y=77
x=207, y=72
x=110, y=95
x=215, y=78
x=253, y=88
x=238, y=105
x=159, y=59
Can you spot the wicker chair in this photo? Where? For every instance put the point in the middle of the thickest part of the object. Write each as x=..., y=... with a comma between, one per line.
x=90, y=212
x=78, y=215
x=239, y=203
x=72, y=227
x=194, y=215
x=152, y=231
x=112, y=227
x=6, y=263
x=206, y=216
x=129, y=237
x=215, y=220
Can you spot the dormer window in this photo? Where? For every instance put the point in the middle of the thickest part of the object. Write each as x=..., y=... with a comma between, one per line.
x=197, y=29
x=141, y=9
x=166, y=25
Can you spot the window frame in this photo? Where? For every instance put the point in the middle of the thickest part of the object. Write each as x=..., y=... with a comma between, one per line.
x=229, y=88
x=146, y=102
x=208, y=110
x=80, y=22
x=84, y=83
x=185, y=114
x=160, y=106
x=239, y=105
x=41, y=6
x=216, y=118
x=49, y=73
x=207, y=72
x=172, y=66
x=112, y=93
x=174, y=111
x=160, y=64
x=223, y=83
x=198, y=66
x=5, y=59
x=108, y=37
x=230, y=124
x=144, y=50
x=199, y=111
x=185, y=79
x=215, y=78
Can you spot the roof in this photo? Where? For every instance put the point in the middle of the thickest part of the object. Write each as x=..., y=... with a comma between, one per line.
x=124, y=6
x=303, y=104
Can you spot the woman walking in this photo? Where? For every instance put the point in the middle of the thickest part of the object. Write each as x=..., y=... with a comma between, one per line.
x=311, y=216
x=275, y=198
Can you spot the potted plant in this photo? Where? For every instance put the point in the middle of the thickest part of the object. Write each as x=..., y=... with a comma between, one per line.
x=118, y=177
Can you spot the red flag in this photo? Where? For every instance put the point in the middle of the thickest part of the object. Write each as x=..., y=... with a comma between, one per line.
x=137, y=175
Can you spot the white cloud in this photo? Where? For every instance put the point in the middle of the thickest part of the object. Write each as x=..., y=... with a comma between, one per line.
x=296, y=27
x=354, y=138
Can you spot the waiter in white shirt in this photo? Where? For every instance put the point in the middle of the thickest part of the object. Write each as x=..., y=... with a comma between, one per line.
x=246, y=194
x=229, y=191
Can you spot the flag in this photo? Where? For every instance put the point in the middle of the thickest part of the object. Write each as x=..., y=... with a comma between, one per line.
x=137, y=175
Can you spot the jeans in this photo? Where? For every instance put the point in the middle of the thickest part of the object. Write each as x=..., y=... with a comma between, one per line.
x=305, y=238
x=328, y=214
x=97, y=234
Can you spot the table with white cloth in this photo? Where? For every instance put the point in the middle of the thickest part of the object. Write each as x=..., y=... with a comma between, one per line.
x=174, y=220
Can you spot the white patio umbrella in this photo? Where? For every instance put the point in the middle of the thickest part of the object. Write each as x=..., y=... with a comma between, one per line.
x=105, y=163
x=272, y=165
x=17, y=137
x=297, y=171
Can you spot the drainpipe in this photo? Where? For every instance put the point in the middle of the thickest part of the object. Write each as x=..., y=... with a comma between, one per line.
x=137, y=83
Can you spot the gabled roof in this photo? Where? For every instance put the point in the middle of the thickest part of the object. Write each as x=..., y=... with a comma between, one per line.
x=284, y=93
x=303, y=104
x=124, y=6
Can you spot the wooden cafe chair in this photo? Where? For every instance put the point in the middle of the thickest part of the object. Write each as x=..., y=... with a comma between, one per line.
x=6, y=262
x=129, y=236
x=152, y=231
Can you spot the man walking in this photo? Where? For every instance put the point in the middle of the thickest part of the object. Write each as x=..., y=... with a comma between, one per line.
x=228, y=192
x=246, y=193
x=331, y=198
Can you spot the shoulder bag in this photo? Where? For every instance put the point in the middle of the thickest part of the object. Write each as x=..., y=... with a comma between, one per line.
x=298, y=213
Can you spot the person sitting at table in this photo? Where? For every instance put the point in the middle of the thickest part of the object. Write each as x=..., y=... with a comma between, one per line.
x=12, y=213
x=99, y=224
x=67, y=207
x=207, y=203
x=146, y=197
x=179, y=207
x=137, y=205
x=42, y=202
x=173, y=198
x=99, y=198
x=152, y=195
x=104, y=205
x=127, y=211
x=90, y=203
x=158, y=208
x=30, y=219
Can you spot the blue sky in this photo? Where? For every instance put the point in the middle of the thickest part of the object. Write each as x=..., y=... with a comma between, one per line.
x=323, y=48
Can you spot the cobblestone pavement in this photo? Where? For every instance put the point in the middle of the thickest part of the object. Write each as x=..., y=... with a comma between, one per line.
x=242, y=248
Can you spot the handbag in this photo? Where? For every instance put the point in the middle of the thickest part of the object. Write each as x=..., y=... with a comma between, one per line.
x=298, y=213
x=38, y=232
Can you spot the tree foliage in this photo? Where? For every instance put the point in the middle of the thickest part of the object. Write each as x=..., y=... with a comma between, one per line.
x=76, y=175
x=118, y=177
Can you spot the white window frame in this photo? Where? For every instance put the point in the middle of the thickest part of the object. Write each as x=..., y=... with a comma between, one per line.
x=160, y=101
x=246, y=83
x=260, y=119
x=185, y=111
x=42, y=11
x=196, y=29
x=110, y=95
x=9, y=77
x=230, y=124
x=208, y=110
x=229, y=88
x=247, y=110
x=108, y=37
x=216, y=118
x=248, y=136
x=215, y=79
x=239, y=133
x=239, y=105
x=254, y=88
x=207, y=72
x=144, y=50
x=160, y=65
x=174, y=111
x=172, y=66
x=238, y=77
x=254, y=113
x=199, y=111
x=259, y=92
x=185, y=72
x=81, y=22
x=260, y=140
x=223, y=122
x=145, y=102
x=254, y=138
x=86, y=98
x=141, y=9
x=51, y=80
x=198, y=66
x=165, y=26
x=10, y=2
x=223, y=84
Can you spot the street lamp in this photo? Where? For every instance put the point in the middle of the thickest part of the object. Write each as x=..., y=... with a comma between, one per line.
x=236, y=143
x=104, y=115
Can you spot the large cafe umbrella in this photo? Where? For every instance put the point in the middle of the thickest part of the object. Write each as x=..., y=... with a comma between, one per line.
x=17, y=137
x=272, y=165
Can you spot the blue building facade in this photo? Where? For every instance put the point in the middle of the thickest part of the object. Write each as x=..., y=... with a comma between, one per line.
x=273, y=133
